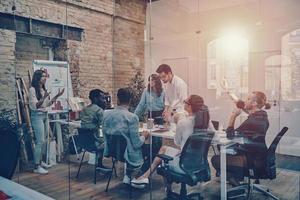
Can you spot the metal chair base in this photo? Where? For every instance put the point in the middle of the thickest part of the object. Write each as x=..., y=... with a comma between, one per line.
x=249, y=188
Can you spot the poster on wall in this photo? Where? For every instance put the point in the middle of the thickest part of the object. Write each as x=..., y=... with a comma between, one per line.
x=59, y=77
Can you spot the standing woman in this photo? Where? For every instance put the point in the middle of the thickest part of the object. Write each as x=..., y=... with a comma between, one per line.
x=152, y=101
x=39, y=100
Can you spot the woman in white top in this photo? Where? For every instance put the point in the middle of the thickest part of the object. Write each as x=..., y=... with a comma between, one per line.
x=198, y=117
x=39, y=100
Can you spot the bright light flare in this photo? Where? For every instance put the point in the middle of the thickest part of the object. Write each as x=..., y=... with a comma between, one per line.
x=234, y=44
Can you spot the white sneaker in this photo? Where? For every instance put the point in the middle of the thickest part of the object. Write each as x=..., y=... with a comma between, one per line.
x=126, y=179
x=45, y=165
x=142, y=181
x=138, y=186
x=40, y=170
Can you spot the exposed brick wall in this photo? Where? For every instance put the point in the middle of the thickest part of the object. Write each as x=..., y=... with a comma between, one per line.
x=28, y=49
x=128, y=51
x=91, y=59
x=7, y=71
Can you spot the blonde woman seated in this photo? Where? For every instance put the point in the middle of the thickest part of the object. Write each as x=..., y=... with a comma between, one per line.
x=198, y=117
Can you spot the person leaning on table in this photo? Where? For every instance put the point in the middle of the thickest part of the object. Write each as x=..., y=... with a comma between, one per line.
x=197, y=118
x=175, y=91
x=152, y=101
x=257, y=123
x=39, y=100
x=120, y=121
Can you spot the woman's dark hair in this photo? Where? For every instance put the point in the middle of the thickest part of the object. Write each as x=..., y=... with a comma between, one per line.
x=261, y=100
x=35, y=83
x=202, y=118
x=157, y=84
x=196, y=102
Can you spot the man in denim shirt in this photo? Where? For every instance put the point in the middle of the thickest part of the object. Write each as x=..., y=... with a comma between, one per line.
x=120, y=121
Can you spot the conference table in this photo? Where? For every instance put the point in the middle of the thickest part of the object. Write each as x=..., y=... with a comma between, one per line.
x=218, y=139
x=20, y=192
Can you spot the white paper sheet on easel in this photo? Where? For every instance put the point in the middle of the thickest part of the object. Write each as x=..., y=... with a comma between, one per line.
x=59, y=78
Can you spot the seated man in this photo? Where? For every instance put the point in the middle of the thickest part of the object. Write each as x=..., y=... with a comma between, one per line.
x=91, y=118
x=258, y=124
x=198, y=118
x=122, y=122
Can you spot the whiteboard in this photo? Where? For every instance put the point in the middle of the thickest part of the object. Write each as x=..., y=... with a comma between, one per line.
x=58, y=78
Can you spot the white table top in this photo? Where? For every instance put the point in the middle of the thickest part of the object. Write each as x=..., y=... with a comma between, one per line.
x=219, y=137
x=20, y=192
x=74, y=124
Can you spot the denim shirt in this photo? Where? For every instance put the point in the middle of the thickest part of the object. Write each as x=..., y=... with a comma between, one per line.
x=120, y=121
x=150, y=102
x=91, y=117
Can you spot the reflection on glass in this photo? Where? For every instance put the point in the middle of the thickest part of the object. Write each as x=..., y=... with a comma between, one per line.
x=290, y=66
x=227, y=58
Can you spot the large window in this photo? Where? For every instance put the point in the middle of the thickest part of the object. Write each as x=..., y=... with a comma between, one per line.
x=227, y=59
x=290, y=69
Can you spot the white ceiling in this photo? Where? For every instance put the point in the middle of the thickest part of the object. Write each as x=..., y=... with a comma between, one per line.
x=193, y=6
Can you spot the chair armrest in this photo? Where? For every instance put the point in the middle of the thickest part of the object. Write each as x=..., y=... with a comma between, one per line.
x=241, y=149
x=166, y=158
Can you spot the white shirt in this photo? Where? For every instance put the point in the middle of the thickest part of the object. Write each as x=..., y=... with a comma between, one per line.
x=33, y=101
x=175, y=93
x=184, y=128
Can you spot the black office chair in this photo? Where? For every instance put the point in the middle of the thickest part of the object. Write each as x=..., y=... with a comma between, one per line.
x=193, y=162
x=9, y=152
x=259, y=169
x=88, y=142
x=116, y=146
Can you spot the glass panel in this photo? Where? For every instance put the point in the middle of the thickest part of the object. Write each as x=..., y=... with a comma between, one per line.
x=36, y=72
x=233, y=48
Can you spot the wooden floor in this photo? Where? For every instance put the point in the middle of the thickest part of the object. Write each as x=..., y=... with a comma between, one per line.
x=56, y=184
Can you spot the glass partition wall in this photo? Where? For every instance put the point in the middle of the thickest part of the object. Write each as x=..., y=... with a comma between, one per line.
x=43, y=41
x=221, y=50
x=233, y=47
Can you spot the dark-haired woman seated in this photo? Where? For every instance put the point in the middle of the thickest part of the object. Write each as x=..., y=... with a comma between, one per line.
x=255, y=126
x=198, y=117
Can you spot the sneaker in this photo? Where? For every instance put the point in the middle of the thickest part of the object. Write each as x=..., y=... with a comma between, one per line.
x=140, y=186
x=142, y=181
x=45, y=165
x=126, y=179
x=40, y=170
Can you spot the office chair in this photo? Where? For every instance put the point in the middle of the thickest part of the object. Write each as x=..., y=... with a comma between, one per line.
x=88, y=142
x=9, y=152
x=262, y=169
x=193, y=163
x=116, y=146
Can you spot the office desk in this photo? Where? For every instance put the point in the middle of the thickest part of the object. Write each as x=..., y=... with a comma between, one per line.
x=220, y=139
x=20, y=192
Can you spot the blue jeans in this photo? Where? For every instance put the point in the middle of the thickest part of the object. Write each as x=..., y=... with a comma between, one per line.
x=40, y=125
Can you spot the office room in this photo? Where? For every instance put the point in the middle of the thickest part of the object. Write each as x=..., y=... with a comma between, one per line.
x=141, y=99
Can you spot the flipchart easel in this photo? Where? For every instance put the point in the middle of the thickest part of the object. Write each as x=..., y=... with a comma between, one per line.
x=58, y=77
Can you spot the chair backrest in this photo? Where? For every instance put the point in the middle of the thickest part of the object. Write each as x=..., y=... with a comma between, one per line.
x=87, y=139
x=266, y=169
x=9, y=152
x=116, y=146
x=273, y=146
x=194, y=153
